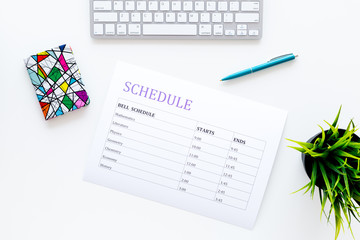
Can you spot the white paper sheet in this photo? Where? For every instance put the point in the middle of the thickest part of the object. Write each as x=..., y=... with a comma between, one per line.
x=185, y=145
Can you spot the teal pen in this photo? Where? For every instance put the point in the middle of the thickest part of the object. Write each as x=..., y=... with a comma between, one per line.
x=272, y=62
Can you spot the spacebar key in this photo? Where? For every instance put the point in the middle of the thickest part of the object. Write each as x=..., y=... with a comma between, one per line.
x=170, y=29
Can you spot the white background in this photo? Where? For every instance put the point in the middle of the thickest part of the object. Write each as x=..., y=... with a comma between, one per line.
x=42, y=194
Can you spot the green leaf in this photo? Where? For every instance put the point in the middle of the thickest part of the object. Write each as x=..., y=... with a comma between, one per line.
x=337, y=117
x=323, y=201
x=302, y=144
x=332, y=181
x=336, y=183
x=342, y=141
x=353, y=214
x=333, y=131
x=308, y=151
x=298, y=149
x=322, y=137
x=327, y=183
x=313, y=178
x=342, y=153
x=316, y=154
x=351, y=123
x=347, y=187
x=341, y=187
x=355, y=178
x=356, y=195
x=338, y=220
x=306, y=186
x=332, y=167
x=346, y=144
x=344, y=163
x=354, y=145
x=345, y=211
x=315, y=145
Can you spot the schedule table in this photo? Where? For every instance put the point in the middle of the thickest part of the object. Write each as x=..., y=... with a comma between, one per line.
x=183, y=154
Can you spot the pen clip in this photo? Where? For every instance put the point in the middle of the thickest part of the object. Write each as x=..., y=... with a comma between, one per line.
x=280, y=57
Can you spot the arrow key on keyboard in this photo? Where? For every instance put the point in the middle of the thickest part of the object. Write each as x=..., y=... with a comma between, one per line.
x=241, y=32
x=253, y=32
x=229, y=32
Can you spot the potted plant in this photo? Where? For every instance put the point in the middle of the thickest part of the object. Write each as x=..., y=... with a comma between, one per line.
x=332, y=161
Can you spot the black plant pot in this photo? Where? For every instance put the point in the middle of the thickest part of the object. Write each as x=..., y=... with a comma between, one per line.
x=308, y=161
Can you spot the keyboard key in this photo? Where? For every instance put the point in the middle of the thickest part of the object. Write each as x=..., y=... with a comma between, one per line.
x=188, y=6
x=147, y=17
x=170, y=17
x=193, y=17
x=118, y=5
x=253, y=32
x=228, y=17
x=210, y=6
x=173, y=29
x=229, y=32
x=218, y=29
x=102, y=5
x=247, y=17
x=222, y=6
x=159, y=17
x=141, y=5
x=135, y=17
x=109, y=29
x=98, y=29
x=134, y=29
x=216, y=17
x=176, y=5
x=241, y=27
x=241, y=32
x=121, y=29
x=153, y=5
x=250, y=6
x=205, y=29
x=124, y=17
x=129, y=5
x=234, y=6
x=181, y=17
x=199, y=6
x=205, y=17
x=105, y=17
x=164, y=6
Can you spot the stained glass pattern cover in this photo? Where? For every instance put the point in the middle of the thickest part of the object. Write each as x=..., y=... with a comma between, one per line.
x=57, y=81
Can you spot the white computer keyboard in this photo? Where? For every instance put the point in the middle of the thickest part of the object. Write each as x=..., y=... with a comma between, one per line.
x=164, y=19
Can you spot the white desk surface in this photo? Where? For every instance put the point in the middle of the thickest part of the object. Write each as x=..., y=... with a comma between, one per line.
x=42, y=194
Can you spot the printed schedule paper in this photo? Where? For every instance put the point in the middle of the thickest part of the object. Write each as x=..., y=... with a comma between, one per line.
x=185, y=145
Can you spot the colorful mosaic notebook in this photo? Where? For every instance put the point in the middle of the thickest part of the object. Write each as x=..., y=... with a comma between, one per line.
x=57, y=81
